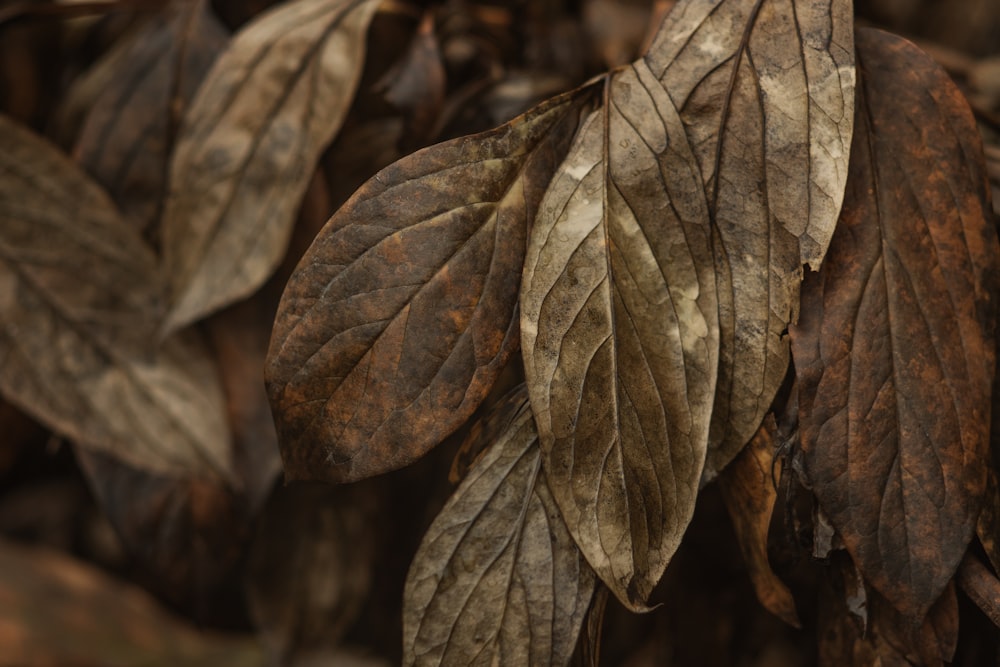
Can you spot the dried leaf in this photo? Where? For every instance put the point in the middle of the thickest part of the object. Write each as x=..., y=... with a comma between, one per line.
x=129, y=130
x=57, y=611
x=894, y=350
x=248, y=144
x=402, y=313
x=655, y=227
x=588, y=647
x=749, y=491
x=310, y=566
x=79, y=301
x=498, y=579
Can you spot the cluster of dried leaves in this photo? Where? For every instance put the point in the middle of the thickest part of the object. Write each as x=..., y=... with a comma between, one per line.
x=755, y=258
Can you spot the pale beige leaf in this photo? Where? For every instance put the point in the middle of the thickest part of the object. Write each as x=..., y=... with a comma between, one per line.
x=665, y=261
x=766, y=92
x=498, y=579
x=249, y=144
x=80, y=298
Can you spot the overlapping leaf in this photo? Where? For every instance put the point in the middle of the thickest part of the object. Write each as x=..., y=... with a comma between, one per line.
x=498, y=579
x=252, y=137
x=127, y=137
x=80, y=298
x=894, y=351
x=402, y=313
x=676, y=228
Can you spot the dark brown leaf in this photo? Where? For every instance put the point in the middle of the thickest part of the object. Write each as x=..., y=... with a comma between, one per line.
x=654, y=228
x=894, y=350
x=79, y=300
x=498, y=578
x=748, y=489
x=248, y=145
x=128, y=135
x=310, y=566
x=402, y=313
x=57, y=611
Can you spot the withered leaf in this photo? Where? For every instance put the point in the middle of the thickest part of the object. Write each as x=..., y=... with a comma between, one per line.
x=400, y=316
x=498, y=579
x=310, y=566
x=894, y=351
x=249, y=142
x=128, y=134
x=656, y=247
x=97, y=620
x=749, y=492
x=80, y=297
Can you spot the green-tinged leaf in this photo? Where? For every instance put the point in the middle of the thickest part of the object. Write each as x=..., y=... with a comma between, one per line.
x=498, y=578
x=399, y=318
x=248, y=145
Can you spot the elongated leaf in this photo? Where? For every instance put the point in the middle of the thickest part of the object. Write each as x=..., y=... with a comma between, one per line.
x=676, y=228
x=127, y=137
x=402, y=313
x=79, y=300
x=894, y=351
x=249, y=143
x=498, y=579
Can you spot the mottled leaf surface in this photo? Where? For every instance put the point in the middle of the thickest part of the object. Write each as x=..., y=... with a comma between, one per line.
x=80, y=298
x=894, y=350
x=249, y=142
x=666, y=258
x=498, y=578
x=400, y=316
x=129, y=131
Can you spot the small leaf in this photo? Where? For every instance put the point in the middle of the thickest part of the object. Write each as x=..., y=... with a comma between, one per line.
x=400, y=316
x=667, y=255
x=79, y=300
x=498, y=579
x=894, y=351
x=249, y=142
x=128, y=134
x=748, y=490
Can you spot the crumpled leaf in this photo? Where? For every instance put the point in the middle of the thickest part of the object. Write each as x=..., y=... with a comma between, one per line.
x=397, y=321
x=894, y=350
x=80, y=297
x=656, y=247
x=249, y=141
x=748, y=489
x=498, y=579
x=128, y=134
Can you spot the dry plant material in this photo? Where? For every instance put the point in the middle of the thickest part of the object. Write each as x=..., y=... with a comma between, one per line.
x=80, y=297
x=664, y=265
x=749, y=491
x=248, y=145
x=402, y=313
x=128, y=134
x=498, y=579
x=895, y=348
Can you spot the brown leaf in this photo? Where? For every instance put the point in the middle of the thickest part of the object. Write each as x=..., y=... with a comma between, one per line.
x=894, y=350
x=498, y=579
x=982, y=587
x=248, y=145
x=185, y=531
x=57, y=611
x=310, y=566
x=128, y=134
x=79, y=300
x=748, y=489
x=588, y=646
x=402, y=313
x=655, y=227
